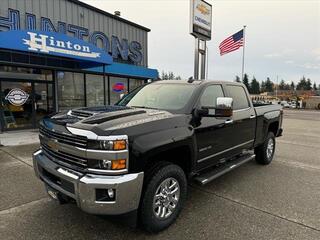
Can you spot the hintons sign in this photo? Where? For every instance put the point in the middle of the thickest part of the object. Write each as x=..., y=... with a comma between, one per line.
x=200, y=19
x=53, y=43
x=46, y=44
x=127, y=51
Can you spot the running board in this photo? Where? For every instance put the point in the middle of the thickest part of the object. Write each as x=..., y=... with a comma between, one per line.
x=219, y=171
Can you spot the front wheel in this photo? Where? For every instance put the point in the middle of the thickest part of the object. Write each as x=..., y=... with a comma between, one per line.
x=164, y=195
x=265, y=152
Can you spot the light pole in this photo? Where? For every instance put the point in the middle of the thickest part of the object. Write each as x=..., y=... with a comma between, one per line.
x=277, y=88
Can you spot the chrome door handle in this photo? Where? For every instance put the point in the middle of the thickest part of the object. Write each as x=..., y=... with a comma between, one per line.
x=252, y=116
x=229, y=121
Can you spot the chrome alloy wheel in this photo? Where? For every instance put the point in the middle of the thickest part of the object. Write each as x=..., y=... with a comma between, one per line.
x=270, y=148
x=166, y=198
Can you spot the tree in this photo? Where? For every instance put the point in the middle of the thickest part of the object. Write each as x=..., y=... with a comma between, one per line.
x=169, y=76
x=269, y=85
x=292, y=86
x=315, y=86
x=245, y=81
x=304, y=84
x=237, y=79
x=309, y=84
x=263, y=86
x=254, y=86
x=282, y=85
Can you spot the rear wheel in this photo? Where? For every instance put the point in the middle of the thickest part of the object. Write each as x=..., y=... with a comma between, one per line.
x=265, y=152
x=164, y=195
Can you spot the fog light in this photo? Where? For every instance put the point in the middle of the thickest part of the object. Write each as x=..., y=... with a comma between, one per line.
x=106, y=195
x=111, y=193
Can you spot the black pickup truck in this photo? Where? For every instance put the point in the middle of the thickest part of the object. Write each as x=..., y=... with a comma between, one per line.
x=140, y=153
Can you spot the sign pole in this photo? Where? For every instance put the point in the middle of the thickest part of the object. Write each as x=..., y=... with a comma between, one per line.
x=203, y=60
x=243, y=50
x=196, y=59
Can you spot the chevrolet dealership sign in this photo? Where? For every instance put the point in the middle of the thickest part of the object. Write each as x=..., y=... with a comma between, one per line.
x=52, y=43
x=17, y=97
x=201, y=19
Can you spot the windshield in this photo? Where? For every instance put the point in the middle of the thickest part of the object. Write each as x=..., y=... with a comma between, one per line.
x=159, y=96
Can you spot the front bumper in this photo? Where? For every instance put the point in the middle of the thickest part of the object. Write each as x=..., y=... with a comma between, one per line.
x=83, y=187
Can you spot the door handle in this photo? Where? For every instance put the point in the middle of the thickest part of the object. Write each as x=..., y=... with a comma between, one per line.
x=252, y=116
x=229, y=121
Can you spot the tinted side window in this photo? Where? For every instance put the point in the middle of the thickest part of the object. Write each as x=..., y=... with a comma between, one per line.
x=240, y=100
x=209, y=96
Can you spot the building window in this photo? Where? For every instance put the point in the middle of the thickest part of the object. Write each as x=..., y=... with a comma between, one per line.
x=70, y=90
x=134, y=83
x=118, y=87
x=95, y=90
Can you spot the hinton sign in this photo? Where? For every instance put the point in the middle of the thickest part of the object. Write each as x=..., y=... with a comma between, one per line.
x=54, y=44
x=130, y=52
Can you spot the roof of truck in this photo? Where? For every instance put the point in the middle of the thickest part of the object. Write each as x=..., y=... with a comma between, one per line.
x=195, y=82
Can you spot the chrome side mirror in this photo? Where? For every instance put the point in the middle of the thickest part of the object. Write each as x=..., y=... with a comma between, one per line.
x=224, y=107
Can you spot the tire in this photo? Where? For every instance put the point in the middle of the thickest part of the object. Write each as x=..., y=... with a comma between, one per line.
x=154, y=200
x=265, y=152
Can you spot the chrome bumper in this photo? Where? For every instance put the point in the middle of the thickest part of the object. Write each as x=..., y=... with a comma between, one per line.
x=82, y=187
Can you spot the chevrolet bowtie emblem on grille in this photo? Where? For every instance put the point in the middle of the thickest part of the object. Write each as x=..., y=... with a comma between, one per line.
x=53, y=144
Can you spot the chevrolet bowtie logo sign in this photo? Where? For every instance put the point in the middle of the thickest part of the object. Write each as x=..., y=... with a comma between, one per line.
x=46, y=44
x=17, y=97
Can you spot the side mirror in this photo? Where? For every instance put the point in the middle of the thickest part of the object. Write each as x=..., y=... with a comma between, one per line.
x=224, y=108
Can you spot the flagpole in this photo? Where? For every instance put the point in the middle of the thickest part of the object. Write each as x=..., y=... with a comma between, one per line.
x=243, y=50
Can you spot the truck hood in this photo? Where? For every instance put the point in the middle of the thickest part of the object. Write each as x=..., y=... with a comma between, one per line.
x=118, y=120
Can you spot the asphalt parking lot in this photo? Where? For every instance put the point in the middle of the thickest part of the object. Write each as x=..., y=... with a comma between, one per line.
x=279, y=201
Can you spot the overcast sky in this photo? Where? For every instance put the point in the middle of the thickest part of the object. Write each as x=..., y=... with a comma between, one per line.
x=282, y=37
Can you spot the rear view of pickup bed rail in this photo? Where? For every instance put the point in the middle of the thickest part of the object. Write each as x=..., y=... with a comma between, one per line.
x=140, y=153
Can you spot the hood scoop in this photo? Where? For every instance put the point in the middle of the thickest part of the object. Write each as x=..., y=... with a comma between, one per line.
x=87, y=112
x=101, y=118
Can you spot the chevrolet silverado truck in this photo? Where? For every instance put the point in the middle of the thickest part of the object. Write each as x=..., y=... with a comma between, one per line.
x=139, y=154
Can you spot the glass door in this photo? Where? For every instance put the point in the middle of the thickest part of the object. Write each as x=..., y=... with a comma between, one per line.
x=43, y=101
x=24, y=103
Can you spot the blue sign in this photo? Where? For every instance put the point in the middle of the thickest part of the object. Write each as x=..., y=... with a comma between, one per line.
x=53, y=43
x=130, y=52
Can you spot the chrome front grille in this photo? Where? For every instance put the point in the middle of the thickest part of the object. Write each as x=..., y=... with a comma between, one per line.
x=64, y=158
x=78, y=141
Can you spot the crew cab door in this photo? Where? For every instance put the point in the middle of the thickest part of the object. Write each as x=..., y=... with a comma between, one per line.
x=221, y=138
x=211, y=133
x=244, y=119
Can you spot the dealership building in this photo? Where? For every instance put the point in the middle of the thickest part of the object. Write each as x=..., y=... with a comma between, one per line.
x=60, y=54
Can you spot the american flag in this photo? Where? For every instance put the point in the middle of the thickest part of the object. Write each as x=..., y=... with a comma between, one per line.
x=231, y=43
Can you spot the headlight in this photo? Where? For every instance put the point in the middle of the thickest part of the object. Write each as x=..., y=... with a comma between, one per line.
x=109, y=145
x=113, y=164
x=118, y=164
